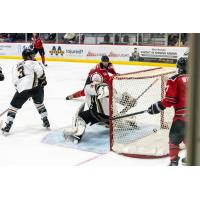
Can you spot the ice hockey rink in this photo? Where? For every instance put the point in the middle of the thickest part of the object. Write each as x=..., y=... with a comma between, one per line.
x=24, y=146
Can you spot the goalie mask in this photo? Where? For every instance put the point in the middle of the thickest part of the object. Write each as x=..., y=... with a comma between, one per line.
x=96, y=77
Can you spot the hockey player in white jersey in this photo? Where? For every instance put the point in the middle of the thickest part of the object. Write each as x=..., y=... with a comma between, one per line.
x=1, y=75
x=29, y=80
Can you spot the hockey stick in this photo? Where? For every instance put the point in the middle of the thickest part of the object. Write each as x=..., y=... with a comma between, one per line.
x=128, y=115
x=3, y=112
x=1, y=121
x=129, y=106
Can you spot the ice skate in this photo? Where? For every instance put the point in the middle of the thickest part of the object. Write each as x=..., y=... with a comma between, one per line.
x=70, y=97
x=6, y=129
x=184, y=161
x=174, y=162
x=46, y=122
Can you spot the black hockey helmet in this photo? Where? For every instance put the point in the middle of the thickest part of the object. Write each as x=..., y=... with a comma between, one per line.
x=182, y=64
x=27, y=54
x=105, y=58
x=36, y=35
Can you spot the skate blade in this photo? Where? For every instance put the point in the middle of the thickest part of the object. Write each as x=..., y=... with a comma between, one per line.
x=48, y=128
x=5, y=134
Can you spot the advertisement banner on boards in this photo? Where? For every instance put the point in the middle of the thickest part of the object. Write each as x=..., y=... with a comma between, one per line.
x=94, y=52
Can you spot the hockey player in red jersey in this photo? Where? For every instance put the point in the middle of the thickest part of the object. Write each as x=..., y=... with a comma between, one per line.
x=101, y=72
x=175, y=96
x=38, y=47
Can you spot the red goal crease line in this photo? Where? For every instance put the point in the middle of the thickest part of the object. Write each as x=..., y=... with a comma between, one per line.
x=90, y=159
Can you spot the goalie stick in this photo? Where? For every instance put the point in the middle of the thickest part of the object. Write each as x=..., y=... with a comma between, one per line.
x=130, y=106
x=147, y=89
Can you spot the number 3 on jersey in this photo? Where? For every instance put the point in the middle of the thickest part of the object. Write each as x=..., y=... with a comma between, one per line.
x=20, y=69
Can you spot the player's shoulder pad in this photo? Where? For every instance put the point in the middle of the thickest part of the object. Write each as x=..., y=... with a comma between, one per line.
x=174, y=77
x=20, y=63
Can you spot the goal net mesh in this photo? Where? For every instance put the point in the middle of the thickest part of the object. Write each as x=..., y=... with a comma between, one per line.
x=141, y=135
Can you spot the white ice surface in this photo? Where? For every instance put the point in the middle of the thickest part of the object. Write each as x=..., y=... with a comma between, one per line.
x=24, y=146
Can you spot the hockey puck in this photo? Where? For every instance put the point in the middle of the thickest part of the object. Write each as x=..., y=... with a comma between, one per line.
x=155, y=130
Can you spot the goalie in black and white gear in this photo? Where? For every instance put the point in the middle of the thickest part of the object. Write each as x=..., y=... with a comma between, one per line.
x=98, y=103
x=29, y=80
x=97, y=98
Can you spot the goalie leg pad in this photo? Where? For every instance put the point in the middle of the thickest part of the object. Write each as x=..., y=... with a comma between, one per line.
x=77, y=132
x=80, y=126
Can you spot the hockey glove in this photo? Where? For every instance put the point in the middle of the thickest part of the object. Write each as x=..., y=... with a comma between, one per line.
x=31, y=46
x=155, y=108
x=42, y=81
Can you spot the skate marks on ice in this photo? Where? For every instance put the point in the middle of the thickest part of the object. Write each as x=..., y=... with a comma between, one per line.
x=95, y=139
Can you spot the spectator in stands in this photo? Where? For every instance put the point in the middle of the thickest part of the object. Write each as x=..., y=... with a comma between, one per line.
x=9, y=38
x=126, y=39
x=106, y=39
x=117, y=39
x=184, y=39
x=173, y=40
x=140, y=39
x=18, y=37
x=70, y=38
x=170, y=40
x=82, y=38
x=52, y=37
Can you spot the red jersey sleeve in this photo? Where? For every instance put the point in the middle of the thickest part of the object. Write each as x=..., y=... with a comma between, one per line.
x=170, y=98
x=111, y=69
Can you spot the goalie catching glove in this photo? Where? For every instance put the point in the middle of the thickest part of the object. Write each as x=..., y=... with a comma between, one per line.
x=102, y=90
x=155, y=108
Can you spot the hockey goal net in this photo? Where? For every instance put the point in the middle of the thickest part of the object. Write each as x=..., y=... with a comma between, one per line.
x=143, y=135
